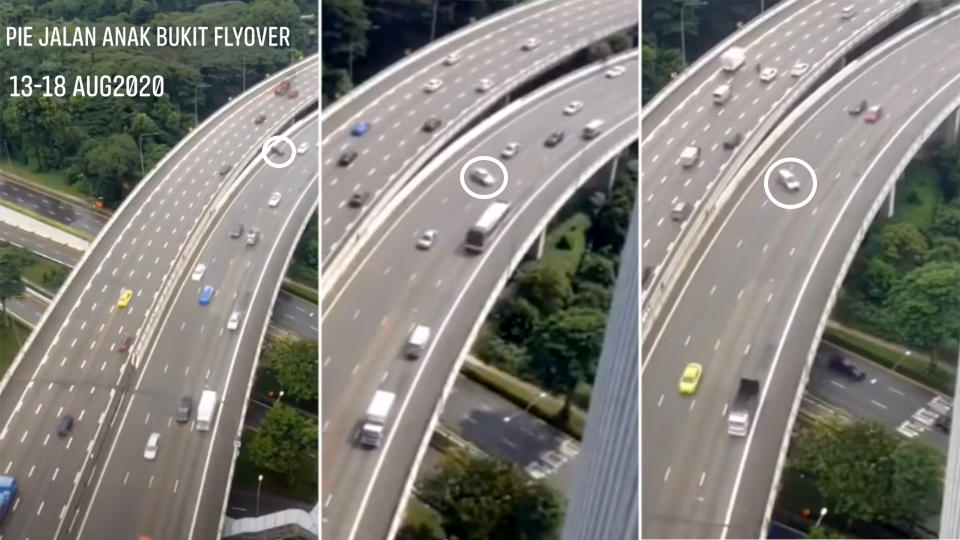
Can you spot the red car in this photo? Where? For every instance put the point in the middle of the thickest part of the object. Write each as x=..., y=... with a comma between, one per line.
x=293, y=94
x=125, y=344
x=873, y=114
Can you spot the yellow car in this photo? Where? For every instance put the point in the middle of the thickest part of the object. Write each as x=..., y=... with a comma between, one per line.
x=125, y=297
x=690, y=379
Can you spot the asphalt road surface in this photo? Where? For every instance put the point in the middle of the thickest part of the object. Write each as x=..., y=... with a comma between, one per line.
x=396, y=141
x=71, y=366
x=81, y=219
x=509, y=433
x=395, y=286
x=757, y=293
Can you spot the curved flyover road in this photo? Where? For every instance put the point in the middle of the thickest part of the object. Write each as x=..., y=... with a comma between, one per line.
x=763, y=284
x=70, y=364
x=397, y=104
x=397, y=286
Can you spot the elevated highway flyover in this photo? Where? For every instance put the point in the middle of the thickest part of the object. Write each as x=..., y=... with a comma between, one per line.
x=763, y=280
x=70, y=363
x=368, y=317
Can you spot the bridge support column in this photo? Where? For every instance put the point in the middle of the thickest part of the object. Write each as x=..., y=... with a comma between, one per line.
x=953, y=129
x=891, y=198
x=541, y=242
x=613, y=175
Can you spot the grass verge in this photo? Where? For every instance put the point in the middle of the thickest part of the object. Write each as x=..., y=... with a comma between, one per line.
x=299, y=289
x=12, y=337
x=303, y=489
x=51, y=222
x=53, y=181
x=566, y=244
x=523, y=394
x=909, y=366
x=45, y=273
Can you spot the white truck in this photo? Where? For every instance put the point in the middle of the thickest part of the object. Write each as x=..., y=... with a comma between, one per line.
x=371, y=433
x=206, y=410
x=733, y=59
x=744, y=404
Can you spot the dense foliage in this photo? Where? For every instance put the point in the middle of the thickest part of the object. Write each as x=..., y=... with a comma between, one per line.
x=294, y=361
x=94, y=141
x=285, y=440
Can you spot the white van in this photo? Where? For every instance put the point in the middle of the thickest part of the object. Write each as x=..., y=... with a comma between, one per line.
x=592, y=129
x=689, y=156
x=721, y=94
x=418, y=341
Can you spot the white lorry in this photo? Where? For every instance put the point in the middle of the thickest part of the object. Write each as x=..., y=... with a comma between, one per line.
x=371, y=433
x=733, y=59
x=744, y=405
x=206, y=410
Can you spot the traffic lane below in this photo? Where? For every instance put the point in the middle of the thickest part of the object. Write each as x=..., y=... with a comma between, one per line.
x=50, y=249
x=79, y=218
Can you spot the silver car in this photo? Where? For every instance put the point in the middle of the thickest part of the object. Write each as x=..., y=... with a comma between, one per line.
x=481, y=176
x=427, y=239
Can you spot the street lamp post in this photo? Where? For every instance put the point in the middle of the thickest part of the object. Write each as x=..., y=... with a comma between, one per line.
x=823, y=512
x=279, y=397
x=683, y=29
x=527, y=408
x=140, y=146
x=196, y=115
x=259, y=482
x=433, y=21
x=902, y=358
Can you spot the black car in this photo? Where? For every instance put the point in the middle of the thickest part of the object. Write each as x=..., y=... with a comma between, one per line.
x=358, y=199
x=732, y=140
x=646, y=275
x=554, y=139
x=858, y=108
x=63, y=428
x=347, y=158
x=259, y=119
x=943, y=423
x=843, y=365
x=184, y=410
x=225, y=169
x=236, y=231
x=432, y=124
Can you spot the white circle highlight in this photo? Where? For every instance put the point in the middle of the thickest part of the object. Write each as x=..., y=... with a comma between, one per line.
x=268, y=144
x=474, y=194
x=798, y=161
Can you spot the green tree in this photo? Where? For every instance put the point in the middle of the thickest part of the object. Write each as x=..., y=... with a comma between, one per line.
x=545, y=286
x=295, y=363
x=501, y=353
x=878, y=279
x=564, y=351
x=821, y=531
x=947, y=220
x=917, y=483
x=284, y=441
x=516, y=319
x=598, y=269
x=107, y=164
x=924, y=306
x=12, y=264
x=592, y=295
x=660, y=65
x=480, y=498
x=903, y=244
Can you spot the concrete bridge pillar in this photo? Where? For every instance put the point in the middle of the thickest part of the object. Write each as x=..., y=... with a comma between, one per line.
x=538, y=246
x=953, y=129
x=613, y=175
x=892, y=197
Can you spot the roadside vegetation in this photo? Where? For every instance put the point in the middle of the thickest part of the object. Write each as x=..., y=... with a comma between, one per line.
x=90, y=147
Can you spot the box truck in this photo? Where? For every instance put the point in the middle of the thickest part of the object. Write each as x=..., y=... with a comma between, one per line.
x=375, y=420
x=733, y=58
x=206, y=410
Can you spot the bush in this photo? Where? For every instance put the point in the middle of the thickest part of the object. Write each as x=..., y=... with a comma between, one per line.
x=498, y=352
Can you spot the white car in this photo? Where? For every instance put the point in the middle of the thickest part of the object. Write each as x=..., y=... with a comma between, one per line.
x=615, y=72
x=452, y=58
x=847, y=12
x=234, y=321
x=481, y=176
x=432, y=86
x=302, y=149
x=510, y=150
x=485, y=84
x=426, y=240
x=198, y=272
x=536, y=471
x=788, y=180
x=799, y=69
x=768, y=74
x=530, y=44
x=274, y=199
x=573, y=108
x=153, y=444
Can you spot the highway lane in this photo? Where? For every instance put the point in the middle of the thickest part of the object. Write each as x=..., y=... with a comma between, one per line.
x=397, y=141
x=757, y=293
x=290, y=313
x=433, y=291
x=883, y=396
x=70, y=366
x=82, y=219
x=193, y=352
x=510, y=433
x=807, y=32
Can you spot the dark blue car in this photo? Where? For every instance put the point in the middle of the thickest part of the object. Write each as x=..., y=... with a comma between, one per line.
x=360, y=128
x=206, y=294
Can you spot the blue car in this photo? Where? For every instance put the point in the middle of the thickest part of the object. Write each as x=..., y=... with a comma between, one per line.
x=359, y=129
x=206, y=294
